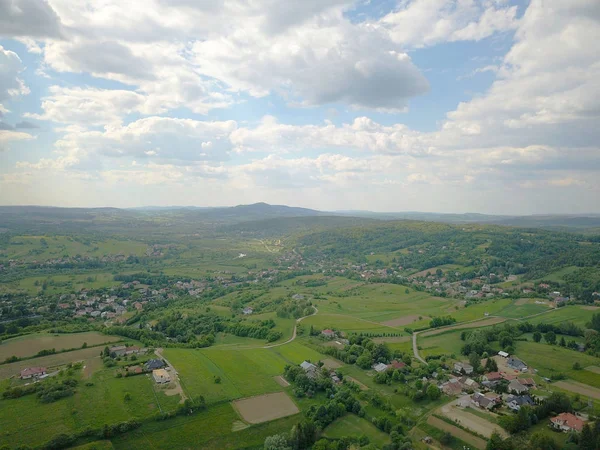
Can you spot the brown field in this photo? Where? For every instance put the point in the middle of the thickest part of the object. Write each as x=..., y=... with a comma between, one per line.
x=594, y=369
x=92, y=365
x=390, y=340
x=281, y=381
x=265, y=407
x=579, y=388
x=591, y=308
x=405, y=320
x=477, y=324
x=362, y=387
x=26, y=346
x=475, y=441
x=332, y=364
x=465, y=419
x=51, y=361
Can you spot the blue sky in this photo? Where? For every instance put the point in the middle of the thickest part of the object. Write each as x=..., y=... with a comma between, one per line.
x=485, y=106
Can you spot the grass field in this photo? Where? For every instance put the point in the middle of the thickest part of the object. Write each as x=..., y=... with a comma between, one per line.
x=353, y=426
x=551, y=360
x=208, y=430
x=573, y=313
x=439, y=344
x=31, y=344
x=347, y=324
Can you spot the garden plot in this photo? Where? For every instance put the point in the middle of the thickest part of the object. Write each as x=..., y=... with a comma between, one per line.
x=264, y=408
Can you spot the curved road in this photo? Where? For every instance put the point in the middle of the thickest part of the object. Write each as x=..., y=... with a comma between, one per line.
x=295, y=328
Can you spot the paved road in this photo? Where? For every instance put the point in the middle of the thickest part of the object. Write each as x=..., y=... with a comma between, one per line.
x=295, y=329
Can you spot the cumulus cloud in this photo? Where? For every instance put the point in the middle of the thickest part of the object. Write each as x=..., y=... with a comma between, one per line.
x=10, y=83
x=31, y=18
x=421, y=23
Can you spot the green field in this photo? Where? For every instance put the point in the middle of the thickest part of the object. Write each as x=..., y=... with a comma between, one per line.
x=579, y=315
x=443, y=343
x=346, y=324
x=354, y=426
x=210, y=430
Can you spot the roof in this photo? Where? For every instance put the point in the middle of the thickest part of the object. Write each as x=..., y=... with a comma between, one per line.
x=155, y=364
x=492, y=376
x=395, y=364
x=569, y=420
x=32, y=371
x=520, y=400
x=515, y=385
x=162, y=373
x=308, y=366
x=503, y=354
x=516, y=363
x=380, y=367
x=328, y=331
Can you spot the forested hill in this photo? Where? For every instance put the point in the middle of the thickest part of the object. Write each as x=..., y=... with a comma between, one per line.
x=423, y=245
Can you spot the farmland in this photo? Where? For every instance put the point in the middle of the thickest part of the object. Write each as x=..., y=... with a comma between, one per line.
x=264, y=408
x=351, y=425
x=31, y=344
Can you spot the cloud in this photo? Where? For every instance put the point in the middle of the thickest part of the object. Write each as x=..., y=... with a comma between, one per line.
x=421, y=23
x=8, y=135
x=6, y=126
x=25, y=125
x=10, y=83
x=32, y=18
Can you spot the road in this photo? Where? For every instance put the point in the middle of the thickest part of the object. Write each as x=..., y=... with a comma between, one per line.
x=295, y=330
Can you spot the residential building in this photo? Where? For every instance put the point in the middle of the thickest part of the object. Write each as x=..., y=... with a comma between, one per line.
x=517, y=387
x=515, y=402
x=32, y=372
x=154, y=364
x=310, y=369
x=461, y=367
x=328, y=333
x=517, y=364
x=492, y=377
x=396, y=365
x=484, y=401
x=161, y=376
x=567, y=422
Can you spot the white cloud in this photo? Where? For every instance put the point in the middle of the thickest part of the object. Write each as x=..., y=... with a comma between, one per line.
x=32, y=18
x=10, y=83
x=420, y=23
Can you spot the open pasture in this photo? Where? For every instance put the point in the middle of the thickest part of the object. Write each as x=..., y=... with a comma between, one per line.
x=353, y=426
x=577, y=314
x=208, y=430
x=31, y=344
x=264, y=408
x=56, y=284
x=347, y=324
x=552, y=359
x=404, y=320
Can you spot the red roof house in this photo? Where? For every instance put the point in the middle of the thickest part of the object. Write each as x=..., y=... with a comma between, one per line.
x=567, y=422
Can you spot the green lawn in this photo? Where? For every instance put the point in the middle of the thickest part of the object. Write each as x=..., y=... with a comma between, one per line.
x=439, y=344
x=353, y=426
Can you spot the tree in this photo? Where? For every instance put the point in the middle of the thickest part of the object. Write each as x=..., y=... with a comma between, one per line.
x=446, y=438
x=475, y=361
x=127, y=397
x=277, y=442
x=217, y=380
x=540, y=441
x=576, y=365
x=594, y=324
x=433, y=392
x=491, y=365
x=550, y=337
x=562, y=342
x=537, y=336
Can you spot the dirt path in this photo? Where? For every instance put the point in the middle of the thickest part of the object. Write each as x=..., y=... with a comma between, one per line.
x=475, y=441
x=174, y=378
x=295, y=330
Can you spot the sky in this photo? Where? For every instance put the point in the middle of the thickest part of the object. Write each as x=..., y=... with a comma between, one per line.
x=489, y=106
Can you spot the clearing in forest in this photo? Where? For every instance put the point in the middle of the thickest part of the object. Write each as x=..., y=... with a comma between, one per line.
x=264, y=408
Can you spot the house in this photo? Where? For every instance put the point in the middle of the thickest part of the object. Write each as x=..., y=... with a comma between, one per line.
x=468, y=383
x=330, y=334
x=452, y=387
x=515, y=402
x=503, y=354
x=461, y=367
x=567, y=422
x=492, y=377
x=380, y=367
x=32, y=372
x=516, y=386
x=310, y=369
x=247, y=310
x=154, y=364
x=529, y=382
x=161, y=376
x=517, y=364
x=484, y=401
x=396, y=365
x=118, y=350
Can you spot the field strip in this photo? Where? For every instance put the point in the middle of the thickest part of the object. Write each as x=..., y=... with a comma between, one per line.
x=465, y=325
x=264, y=408
x=224, y=375
x=475, y=441
x=594, y=369
x=579, y=388
x=466, y=419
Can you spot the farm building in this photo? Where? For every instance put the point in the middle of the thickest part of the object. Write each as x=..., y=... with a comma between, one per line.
x=247, y=310
x=567, y=422
x=328, y=333
x=161, y=376
x=310, y=369
x=503, y=354
x=32, y=372
x=380, y=367
x=154, y=364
